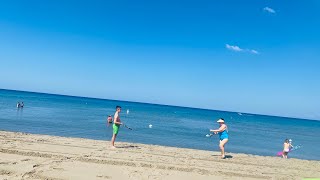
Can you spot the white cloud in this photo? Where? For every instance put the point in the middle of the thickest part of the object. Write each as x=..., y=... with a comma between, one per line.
x=238, y=49
x=234, y=48
x=254, y=51
x=269, y=10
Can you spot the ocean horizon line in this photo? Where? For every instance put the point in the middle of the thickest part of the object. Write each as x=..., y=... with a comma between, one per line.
x=167, y=105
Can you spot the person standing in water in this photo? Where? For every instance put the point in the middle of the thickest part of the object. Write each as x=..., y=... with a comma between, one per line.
x=286, y=148
x=109, y=119
x=116, y=125
x=223, y=135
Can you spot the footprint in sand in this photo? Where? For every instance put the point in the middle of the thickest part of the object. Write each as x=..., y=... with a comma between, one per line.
x=7, y=163
x=24, y=160
x=58, y=161
x=36, y=165
x=28, y=174
x=5, y=172
x=104, y=177
x=57, y=168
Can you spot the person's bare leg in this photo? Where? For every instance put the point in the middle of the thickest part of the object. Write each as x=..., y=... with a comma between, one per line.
x=222, y=143
x=113, y=140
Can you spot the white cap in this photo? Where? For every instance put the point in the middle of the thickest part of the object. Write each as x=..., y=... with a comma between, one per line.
x=220, y=121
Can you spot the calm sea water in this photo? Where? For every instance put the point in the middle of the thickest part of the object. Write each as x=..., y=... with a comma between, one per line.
x=172, y=126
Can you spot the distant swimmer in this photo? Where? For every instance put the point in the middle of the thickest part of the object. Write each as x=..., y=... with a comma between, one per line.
x=116, y=125
x=109, y=119
x=20, y=105
x=223, y=135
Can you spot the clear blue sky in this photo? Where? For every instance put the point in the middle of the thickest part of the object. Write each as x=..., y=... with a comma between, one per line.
x=247, y=56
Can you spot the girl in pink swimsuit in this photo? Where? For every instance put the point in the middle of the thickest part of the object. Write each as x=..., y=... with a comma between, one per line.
x=286, y=148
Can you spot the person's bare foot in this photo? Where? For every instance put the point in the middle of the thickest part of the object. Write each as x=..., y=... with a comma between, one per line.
x=223, y=157
x=113, y=147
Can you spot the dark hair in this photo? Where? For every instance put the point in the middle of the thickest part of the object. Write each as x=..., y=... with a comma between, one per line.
x=287, y=140
x=118, y=107
x=109, y=116
x=222, y=119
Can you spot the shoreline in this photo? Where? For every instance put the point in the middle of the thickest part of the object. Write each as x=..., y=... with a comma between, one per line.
x=33, y=156
x=156, y=145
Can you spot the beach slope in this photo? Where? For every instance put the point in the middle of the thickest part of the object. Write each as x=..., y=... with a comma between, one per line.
x=29, y=156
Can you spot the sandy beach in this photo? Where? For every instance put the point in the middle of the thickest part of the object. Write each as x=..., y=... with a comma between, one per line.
x=29, y=156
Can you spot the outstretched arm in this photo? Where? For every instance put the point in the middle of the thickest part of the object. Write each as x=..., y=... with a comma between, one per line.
x=291, y=145
x=222, y=128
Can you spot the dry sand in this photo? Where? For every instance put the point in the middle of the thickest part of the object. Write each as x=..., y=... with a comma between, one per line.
x=28, y=156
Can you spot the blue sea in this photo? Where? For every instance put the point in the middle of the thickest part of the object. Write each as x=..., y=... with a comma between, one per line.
x=171, y=126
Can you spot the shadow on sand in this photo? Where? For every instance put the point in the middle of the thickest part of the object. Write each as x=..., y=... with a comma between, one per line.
x=128, y=147
x=226, y=156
